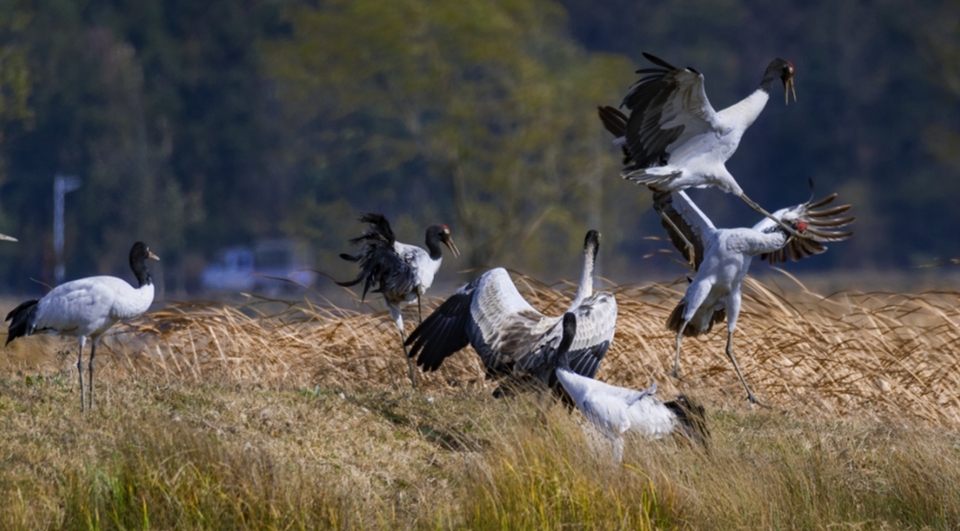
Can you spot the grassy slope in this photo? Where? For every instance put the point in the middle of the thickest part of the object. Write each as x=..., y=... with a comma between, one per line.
x=213, y=417
x=190, y=456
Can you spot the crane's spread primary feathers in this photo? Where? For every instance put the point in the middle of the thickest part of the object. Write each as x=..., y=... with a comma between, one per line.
x=510, y=336
x=617, y=410
x=86, y=308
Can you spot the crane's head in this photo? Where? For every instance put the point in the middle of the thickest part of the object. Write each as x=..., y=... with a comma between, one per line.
x=778, y=68
x=140, y=252
x=448, y=240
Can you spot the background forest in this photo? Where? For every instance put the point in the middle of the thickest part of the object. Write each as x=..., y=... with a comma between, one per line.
x=197, y=125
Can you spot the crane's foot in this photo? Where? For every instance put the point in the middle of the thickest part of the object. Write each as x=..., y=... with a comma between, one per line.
x=676, y=374
x=753, y=400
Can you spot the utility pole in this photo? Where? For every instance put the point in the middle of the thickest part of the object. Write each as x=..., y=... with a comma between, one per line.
x=62, y=184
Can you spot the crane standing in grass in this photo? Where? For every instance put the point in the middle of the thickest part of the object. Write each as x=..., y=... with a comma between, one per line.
x=513, y=339
x=618, y=410
x=401, y=272
x=721, y=258
x=673, y=139
x=86, y=308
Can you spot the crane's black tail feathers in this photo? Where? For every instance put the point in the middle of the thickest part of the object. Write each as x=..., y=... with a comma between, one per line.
x=676, y=319
x=23, y=320
x=693, y=420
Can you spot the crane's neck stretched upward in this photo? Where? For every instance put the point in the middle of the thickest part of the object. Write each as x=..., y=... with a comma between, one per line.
x=590, y=248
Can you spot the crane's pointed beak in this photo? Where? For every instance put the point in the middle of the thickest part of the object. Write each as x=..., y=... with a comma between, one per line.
x=452, y=246
x=152, y=256
x=788, y=89
x=4, y=237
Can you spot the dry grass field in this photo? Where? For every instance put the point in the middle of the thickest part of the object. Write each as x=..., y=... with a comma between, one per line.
x=295, y=416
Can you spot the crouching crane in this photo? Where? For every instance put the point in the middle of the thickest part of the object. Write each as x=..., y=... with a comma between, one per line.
x=619, y=410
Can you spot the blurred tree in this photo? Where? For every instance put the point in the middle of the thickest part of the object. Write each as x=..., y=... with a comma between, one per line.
x=484, y=111
x=15, y=112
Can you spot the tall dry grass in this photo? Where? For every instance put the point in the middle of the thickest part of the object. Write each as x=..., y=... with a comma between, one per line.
x=887, y=355
x=289, y=415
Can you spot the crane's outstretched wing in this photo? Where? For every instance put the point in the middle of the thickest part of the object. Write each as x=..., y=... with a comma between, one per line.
x=596, y=324
x=693, y=224
x=488, y=313
x=669, y=110
x=822, y=227
x=510, y=336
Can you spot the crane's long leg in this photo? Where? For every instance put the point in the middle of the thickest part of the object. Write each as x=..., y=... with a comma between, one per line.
x=692, y=253
x=419, y=310
x=83, y=341
x=93, y=352
x=676, y=359
x=760, y=209
x=736, y=366
x=398, y=320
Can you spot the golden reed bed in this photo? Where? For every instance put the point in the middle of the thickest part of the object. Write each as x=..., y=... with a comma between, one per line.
x=845, y=354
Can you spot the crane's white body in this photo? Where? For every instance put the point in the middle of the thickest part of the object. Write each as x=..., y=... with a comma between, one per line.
x=615, y=411
x=424, y=268
x=716, y=285
x=698, y=157
x=89, y=306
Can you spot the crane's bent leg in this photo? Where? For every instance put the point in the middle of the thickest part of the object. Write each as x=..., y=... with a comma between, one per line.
x=93, y=352
x=398, y=320
x=83, y=404
x=736, y=366
x=676, y=359
x=760, y=209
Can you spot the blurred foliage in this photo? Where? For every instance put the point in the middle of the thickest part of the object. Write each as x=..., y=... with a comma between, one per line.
x=434, y=111
x=200, y=125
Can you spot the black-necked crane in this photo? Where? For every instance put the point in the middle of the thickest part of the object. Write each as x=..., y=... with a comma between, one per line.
x=86, y=308
x=512, y=338
x=618, y=410
x=401, y=272
x=721, y=258
x=673, y=139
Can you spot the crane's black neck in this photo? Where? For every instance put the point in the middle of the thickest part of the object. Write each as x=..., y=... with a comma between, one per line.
x=569, y=327
x=433, y=242
x=775, y=72
x=138, y=258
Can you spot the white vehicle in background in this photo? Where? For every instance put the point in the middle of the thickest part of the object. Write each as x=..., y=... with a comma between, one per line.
x=260, y=268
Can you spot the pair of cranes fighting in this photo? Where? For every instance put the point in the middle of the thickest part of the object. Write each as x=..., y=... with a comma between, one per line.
x=672, y=139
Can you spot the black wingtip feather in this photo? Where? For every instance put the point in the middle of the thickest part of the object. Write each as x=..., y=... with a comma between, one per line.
x=659, y=62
